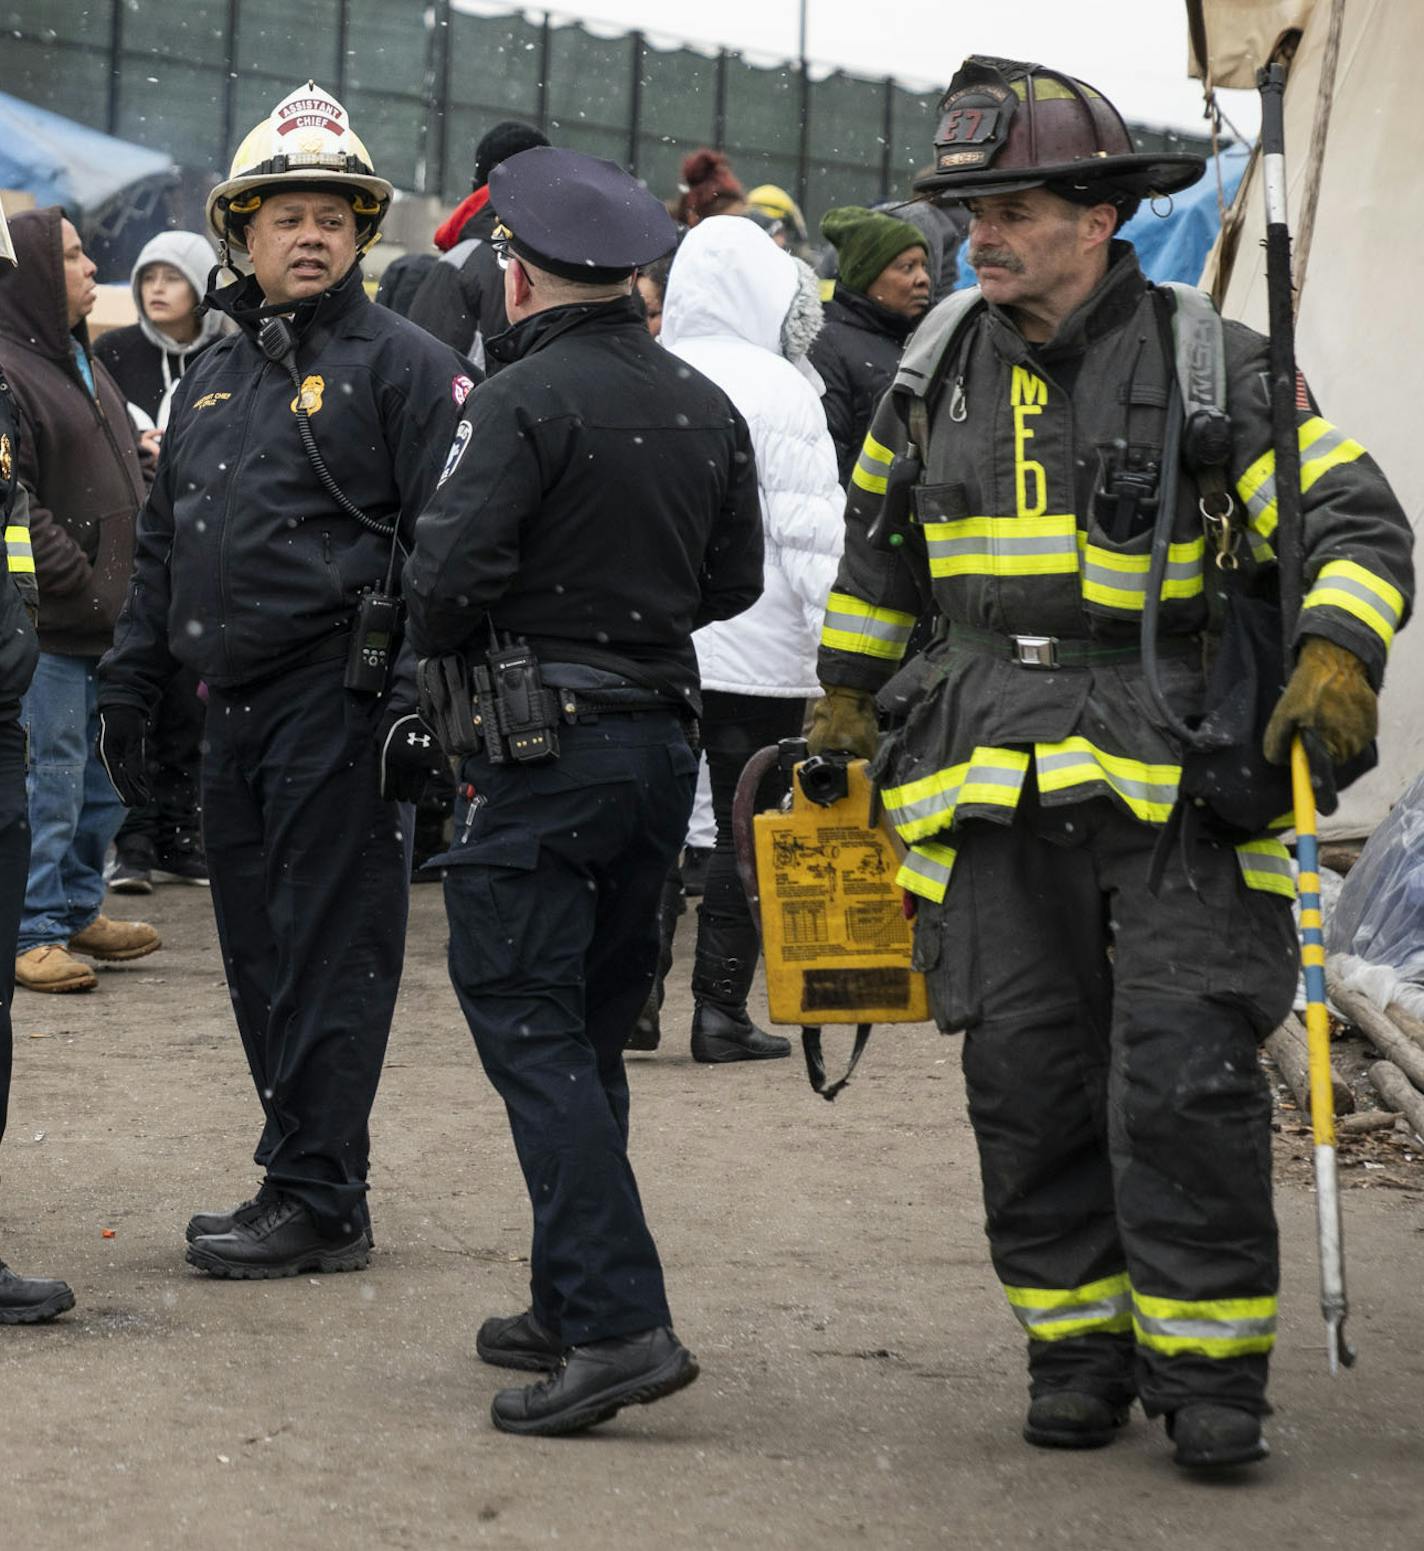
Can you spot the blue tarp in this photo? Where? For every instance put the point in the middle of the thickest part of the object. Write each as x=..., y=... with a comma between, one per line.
x=64, y=163
x=1174, y=247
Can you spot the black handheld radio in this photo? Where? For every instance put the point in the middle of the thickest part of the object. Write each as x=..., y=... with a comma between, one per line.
x=378, y=615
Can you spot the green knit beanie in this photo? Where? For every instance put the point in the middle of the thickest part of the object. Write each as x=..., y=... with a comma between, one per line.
x=866, y=241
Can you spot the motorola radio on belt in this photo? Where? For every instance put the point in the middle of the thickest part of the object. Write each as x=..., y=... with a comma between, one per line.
x=378, y=615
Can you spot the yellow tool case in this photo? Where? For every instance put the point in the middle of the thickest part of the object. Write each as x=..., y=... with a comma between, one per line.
x=834, y=933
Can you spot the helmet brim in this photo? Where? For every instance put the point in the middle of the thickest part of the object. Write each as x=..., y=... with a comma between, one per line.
x=1141, y=174
x=338, y=182
x=7, y=248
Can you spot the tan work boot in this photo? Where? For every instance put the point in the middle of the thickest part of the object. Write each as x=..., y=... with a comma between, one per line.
x=50, y=968
x=106, y=939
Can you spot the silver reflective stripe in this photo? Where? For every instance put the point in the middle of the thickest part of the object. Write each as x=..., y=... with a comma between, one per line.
x=927, y=868
x=1146, y=791
x=20, y=548
x=1043, y=544
x=1264, y=496
x=1337, y=581
x=1206, y=1329
x=1100, y=1312
x=859, y=624
x=1136, y=581
x=937, y=802
x=1265, y=861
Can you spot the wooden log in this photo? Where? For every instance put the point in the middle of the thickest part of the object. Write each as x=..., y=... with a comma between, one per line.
x=1288, y=1049
x=1399, y=1093
x=1406, y=1023
x=1367, y=1120
x=1379, y=1030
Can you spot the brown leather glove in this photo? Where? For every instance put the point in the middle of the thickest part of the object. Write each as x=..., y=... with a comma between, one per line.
x=1329, y=694
x=844, y=720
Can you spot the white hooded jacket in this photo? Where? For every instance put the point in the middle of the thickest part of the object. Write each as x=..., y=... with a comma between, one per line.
x=744, y=312
x=192, y=256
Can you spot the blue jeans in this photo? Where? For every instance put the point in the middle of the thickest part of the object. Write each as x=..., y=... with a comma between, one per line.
x=74, y=810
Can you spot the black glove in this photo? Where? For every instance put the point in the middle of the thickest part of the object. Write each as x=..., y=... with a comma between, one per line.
x=122, y=749
x=410, y=757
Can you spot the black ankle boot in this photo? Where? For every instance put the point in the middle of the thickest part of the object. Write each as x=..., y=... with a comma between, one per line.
x=721, y=977
x=719, y=1035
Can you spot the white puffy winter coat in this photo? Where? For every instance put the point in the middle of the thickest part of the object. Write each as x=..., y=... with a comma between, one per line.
x=736, y=307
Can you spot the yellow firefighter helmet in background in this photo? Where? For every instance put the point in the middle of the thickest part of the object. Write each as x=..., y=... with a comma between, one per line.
x=305, y=143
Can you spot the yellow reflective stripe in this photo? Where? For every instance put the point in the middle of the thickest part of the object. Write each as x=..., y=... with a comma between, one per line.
x=1215, y=1327
x=926, y=871
x=991, y=778
x=1057, y=1313
x=1343, y=584
x=1003, y=546
x=19, y=557
x=1266, y=865
x=1150, y=791
x=852, y=625
x=874, y=458
x=1329, y=447
x=1119, y=581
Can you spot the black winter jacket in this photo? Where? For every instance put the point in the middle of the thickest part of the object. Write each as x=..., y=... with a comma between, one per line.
x=461, y=298
x=599, y=500
x=19, y=645
x=78, y=458
x=138, y=365
x=245, y=564
x=856, y=353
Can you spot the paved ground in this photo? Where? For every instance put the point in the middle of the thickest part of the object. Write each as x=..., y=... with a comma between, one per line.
x=862, y=1380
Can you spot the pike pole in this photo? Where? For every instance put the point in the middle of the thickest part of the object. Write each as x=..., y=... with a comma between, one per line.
x=1290, y=544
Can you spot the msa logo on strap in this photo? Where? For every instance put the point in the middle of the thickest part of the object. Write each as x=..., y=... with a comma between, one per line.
x=463, y=432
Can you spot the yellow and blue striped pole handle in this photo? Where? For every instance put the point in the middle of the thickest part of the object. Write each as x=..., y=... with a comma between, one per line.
x=1312, y=948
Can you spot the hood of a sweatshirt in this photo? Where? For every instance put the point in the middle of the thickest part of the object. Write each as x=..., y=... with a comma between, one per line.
x=34, y=307
x=729, y=280
x=192, y=256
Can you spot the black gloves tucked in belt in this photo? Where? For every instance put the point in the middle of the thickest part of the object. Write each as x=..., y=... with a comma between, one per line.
x=122, y=749
x=410, y=757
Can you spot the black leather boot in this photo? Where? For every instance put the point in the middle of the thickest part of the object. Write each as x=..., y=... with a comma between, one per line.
x=647, y=1030
x=1210, y=1436
x=721, y=977
x=283, y=1239
x=1070, y=1419
x=31, y=1300
x=595, y=1382
x=518, y=1341
x=206, y=1224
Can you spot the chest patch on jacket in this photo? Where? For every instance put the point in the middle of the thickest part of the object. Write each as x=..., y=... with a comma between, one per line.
x=210, y=400
x=7, y=460
x=1028, y=393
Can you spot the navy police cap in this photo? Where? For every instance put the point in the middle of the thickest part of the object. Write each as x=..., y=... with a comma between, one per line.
x=578, y=216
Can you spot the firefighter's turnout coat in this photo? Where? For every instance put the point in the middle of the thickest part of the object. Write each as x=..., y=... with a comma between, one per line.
x=1111, y=990
x=1005, y=538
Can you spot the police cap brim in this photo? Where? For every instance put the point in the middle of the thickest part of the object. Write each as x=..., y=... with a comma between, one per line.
x=579, y=216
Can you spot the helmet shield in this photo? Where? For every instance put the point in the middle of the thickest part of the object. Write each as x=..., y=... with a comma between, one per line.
x=1006, y=124
x=305, y=143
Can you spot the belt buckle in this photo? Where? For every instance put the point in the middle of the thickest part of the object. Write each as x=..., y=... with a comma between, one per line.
x=1035, y=651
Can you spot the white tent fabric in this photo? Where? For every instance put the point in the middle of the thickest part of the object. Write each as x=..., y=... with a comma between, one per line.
x=1360, y=334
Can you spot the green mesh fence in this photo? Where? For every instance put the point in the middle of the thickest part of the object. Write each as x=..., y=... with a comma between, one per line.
x=422, y=83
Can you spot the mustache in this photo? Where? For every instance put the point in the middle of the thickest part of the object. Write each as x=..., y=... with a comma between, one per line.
x=1000, y=258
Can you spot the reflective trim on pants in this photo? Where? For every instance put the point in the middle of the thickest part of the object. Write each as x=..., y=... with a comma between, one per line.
x=1059, y=1313
x=926, y=870
x=1266, y=865
x=1220, y=1328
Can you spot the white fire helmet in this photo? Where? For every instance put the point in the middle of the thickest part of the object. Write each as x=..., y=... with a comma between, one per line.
x=307, y=143
x=7, y=251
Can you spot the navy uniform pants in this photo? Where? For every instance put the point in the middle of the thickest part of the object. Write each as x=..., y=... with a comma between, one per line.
x=311, y=887
x=1122, y=1119
x=14, y=872
x=552, y=892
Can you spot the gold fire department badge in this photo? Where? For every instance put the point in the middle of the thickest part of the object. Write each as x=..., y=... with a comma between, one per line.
x=7, y=460
x=310, y=396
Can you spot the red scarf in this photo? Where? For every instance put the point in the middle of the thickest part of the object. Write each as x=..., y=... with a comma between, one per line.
x=471, y=205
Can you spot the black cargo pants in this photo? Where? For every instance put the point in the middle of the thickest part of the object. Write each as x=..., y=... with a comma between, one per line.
x=310, y=876
x=1122, y=1119
x=552, y=892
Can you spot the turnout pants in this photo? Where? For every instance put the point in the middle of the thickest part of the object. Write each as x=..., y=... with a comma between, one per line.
x=552, y=889
x=14, y=871
x=311, y=887
x=1123, y=1122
